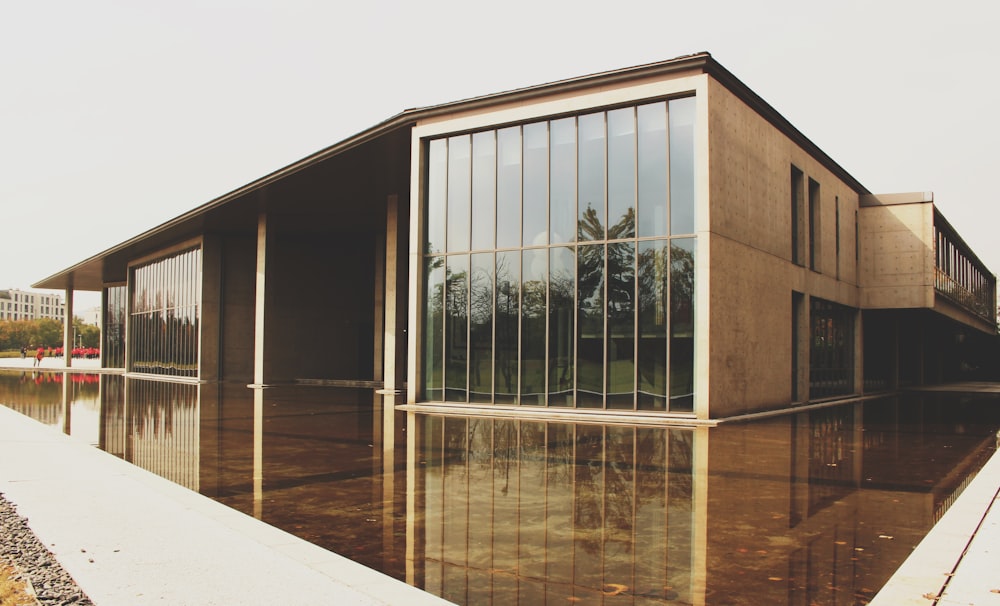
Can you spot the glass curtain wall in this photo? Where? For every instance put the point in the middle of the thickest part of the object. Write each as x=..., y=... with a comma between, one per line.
x=831, y=354
x=165, y=315
x=559, y=262
x=113, y=331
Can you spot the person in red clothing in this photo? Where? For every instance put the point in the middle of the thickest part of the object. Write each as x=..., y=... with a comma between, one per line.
x=38, y=356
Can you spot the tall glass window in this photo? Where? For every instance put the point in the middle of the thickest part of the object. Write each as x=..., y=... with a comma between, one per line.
x=591, y=166
x=831, y=353
x=459, y=192
x=508, y=187
x=484, y=190
x=113, y=331
x=562, y=309
x=682, y=112
x=165, y=317
x=562, y=192
x=534, y=302
x=574, y=282
x=456, y=327
x=481, y=328
x=508, y=314
x=433, y=354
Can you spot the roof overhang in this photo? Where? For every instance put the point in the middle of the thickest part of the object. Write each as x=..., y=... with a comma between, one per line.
x=92, y=274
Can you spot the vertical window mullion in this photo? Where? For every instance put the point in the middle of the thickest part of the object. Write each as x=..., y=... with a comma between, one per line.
x=635, y=285
x=607, y=215
x=668, y=255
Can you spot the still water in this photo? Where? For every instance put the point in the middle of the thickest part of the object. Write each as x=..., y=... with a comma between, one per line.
x=816, y=507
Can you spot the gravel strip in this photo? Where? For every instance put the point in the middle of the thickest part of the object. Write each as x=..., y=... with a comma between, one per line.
x=21, y=548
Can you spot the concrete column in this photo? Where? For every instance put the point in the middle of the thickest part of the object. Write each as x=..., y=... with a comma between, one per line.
x=393, y=344
x=391, y=339
x=259, y=366
x=260, y=299
x=68, y=328
x=414, y=258
x=378, y=336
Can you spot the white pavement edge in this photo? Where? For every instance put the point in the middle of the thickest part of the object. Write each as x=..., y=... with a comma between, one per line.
x=130, y=537
x=50, y=364
x=955, y=540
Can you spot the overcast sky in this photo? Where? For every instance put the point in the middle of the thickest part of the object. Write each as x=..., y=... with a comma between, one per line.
x=116, y=116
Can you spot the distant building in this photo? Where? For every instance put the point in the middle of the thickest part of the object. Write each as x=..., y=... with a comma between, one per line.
x=24, y=305
x=655, y=240
x=91, y=316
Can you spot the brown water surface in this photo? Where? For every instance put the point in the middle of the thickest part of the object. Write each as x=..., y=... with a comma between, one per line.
x=815, y=507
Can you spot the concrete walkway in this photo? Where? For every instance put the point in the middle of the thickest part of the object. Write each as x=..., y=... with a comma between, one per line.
x=129, y=537
x=53, y=364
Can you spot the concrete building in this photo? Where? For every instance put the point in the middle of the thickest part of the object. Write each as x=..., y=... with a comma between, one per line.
x=26, y=305
x=655, y=241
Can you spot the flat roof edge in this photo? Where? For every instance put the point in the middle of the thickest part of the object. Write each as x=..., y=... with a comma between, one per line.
x=915, y=197
x=698, y=61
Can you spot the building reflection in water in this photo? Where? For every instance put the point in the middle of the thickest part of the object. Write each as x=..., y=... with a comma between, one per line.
x=816, y=507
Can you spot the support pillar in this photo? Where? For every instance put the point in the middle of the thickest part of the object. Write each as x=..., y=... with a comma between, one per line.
x=393, y=344
x=260, y=301
x=259, y=365
x=68, y=328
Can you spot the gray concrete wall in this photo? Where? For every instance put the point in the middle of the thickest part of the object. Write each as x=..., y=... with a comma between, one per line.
x=320, y=307
x=238, y=293
x=897, y=260
x=751, y=270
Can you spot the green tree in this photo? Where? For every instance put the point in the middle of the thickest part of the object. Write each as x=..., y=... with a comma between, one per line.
x=47, y=332
x=15, y=334
x=87, y=335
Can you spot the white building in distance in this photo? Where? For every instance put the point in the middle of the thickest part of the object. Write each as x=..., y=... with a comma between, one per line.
x=24, y=305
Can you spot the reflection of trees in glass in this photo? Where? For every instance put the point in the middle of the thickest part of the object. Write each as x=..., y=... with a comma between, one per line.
x=507, y=319
x=653, y=263
x=681, y=283
x=682, y=324
x=433, y=327
x=534, y=268
x=621, y=267
x=590, y=326
x=457, y=302
x=481, y=328
x=562, y=309
x=590, y=226
x=456, y=327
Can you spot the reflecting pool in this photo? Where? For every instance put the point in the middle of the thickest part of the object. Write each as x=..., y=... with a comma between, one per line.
x=814, y=507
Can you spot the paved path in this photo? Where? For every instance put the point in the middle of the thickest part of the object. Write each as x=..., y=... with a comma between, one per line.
x=129, y=537
x=85, y=364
